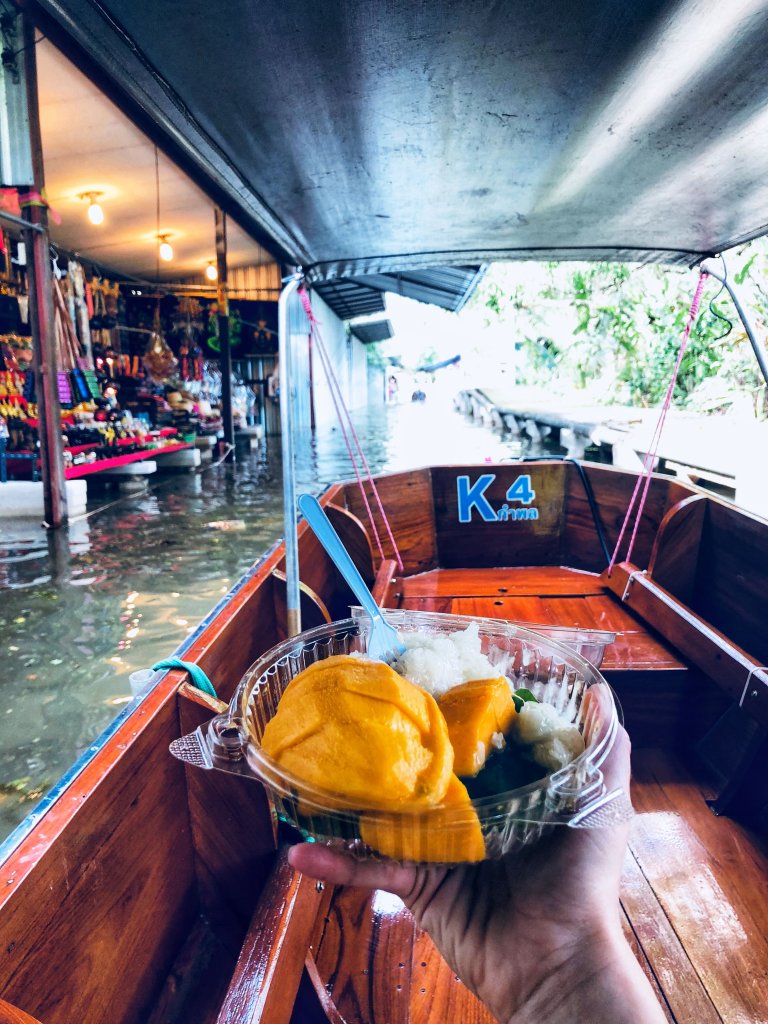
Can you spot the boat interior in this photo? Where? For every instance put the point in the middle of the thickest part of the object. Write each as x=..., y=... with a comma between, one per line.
x=182, y=906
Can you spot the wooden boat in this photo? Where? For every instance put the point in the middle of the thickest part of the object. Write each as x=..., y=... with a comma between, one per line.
x=151, y=891
x=148, y=892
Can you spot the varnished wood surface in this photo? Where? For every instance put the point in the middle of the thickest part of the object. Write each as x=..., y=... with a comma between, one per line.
x=487, y=544
x=529, y=580
x=696, y=892
x=269, y=969
x=543, y=595
x=407, y=499
x=354, y=537
x=386, y=584
x=97, y=924
x=732, y=579
x=233, y=838
x=674, y=560
x=736, y=671
x=612, y=489
x=11, y=1015
x=374, y=966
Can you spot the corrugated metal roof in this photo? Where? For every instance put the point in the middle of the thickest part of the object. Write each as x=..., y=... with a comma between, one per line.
x=449, y=287
x=376, y=330
x=350, y=299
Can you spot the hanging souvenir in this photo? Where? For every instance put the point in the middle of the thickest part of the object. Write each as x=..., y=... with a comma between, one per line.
x=159, y=361
x=93, y=384
x=64, y=390
x=29, y=387
x=80, y=389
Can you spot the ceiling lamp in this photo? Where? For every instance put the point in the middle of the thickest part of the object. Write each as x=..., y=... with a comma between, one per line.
x=210, y=271
x=95, y=212
x=166, y=249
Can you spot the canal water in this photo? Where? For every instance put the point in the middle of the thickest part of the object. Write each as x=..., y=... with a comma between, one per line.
x=123, y=586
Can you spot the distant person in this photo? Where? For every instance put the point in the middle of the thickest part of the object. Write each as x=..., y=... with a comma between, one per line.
x=392, y=389
x=418, y=396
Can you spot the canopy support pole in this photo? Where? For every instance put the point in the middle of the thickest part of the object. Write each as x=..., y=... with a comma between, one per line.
x=225, y=348
x=287, y=398
x=41, y=317
x=708, y=266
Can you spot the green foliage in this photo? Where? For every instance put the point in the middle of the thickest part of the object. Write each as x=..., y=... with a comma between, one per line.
x=619, y=326
x=375, y=355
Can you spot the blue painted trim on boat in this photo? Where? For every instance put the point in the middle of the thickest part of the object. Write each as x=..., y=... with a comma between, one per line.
x=23, y=829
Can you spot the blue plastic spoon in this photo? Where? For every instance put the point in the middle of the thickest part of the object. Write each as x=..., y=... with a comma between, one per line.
x=383, y=642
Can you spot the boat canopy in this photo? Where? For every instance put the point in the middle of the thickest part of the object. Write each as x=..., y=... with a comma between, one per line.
x=365, y=138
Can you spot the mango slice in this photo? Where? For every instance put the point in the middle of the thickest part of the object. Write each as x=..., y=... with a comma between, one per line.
x=450, y=834
x=358, y=729
x=475, y=711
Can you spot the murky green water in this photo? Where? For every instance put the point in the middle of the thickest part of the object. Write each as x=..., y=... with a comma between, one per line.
x=121, y=588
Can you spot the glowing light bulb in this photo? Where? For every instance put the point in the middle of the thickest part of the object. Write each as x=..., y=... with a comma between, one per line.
x=95, y=213
x=166, y=249
x=211, y=272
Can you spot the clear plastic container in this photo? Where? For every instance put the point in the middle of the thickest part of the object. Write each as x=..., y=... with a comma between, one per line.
x=574, y=796
x=589, y=643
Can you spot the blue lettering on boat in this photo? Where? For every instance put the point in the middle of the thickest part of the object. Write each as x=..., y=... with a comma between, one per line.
x=472, y=496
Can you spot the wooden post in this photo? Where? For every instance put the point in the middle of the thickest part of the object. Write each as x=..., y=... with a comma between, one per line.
x=224, y=341
x=41, y=306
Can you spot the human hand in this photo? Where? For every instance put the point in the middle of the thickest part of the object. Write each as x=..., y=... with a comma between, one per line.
x=537, y=934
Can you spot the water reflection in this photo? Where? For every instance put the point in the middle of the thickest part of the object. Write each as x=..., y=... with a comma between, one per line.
x=82, y=608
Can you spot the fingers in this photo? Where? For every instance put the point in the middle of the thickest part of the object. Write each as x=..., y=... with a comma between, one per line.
x=616, y=767
x=338, y=869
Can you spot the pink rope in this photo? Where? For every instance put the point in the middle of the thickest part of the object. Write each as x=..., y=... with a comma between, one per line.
x=644, y=478
x=342, y=412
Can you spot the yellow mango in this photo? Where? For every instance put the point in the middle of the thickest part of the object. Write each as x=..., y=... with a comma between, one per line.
x=474, y=711
x=357, y=729
x=449, y=834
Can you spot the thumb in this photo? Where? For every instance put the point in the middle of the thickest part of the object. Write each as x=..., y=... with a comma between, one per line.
x=339, y=869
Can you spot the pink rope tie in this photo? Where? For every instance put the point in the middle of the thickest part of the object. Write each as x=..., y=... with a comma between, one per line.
x=342, y=414
x=644, y=479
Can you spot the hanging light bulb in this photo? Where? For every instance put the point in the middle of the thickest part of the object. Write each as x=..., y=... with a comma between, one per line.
x=95, y=211
x=166, y=249
x=210, y=271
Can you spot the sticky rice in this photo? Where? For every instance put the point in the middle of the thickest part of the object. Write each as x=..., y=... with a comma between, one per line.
x=438, y=663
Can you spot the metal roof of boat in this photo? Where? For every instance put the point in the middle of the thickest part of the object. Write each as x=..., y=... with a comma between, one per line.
x=364, y=138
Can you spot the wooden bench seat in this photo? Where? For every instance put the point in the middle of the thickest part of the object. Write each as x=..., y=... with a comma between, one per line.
x=545, y=596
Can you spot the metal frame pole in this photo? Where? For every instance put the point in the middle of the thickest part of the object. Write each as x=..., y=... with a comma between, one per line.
x=287, y=396
x=708, y=266
x=41, y=316
x=225, y=348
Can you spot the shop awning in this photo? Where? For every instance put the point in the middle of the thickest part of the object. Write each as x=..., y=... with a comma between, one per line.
x=365, y=139
x=448, y=287
x=376, y=330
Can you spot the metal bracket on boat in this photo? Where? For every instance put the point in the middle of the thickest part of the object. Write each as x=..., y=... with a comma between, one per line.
x=753, y=671
x=217, y=744
x=630, y=580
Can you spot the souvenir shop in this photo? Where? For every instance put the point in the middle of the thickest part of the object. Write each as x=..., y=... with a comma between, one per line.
x=137, y=367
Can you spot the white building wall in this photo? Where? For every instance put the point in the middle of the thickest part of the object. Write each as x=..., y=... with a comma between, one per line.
x=348, y=359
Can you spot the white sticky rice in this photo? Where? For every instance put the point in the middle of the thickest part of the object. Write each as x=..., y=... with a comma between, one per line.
x=438, y=663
